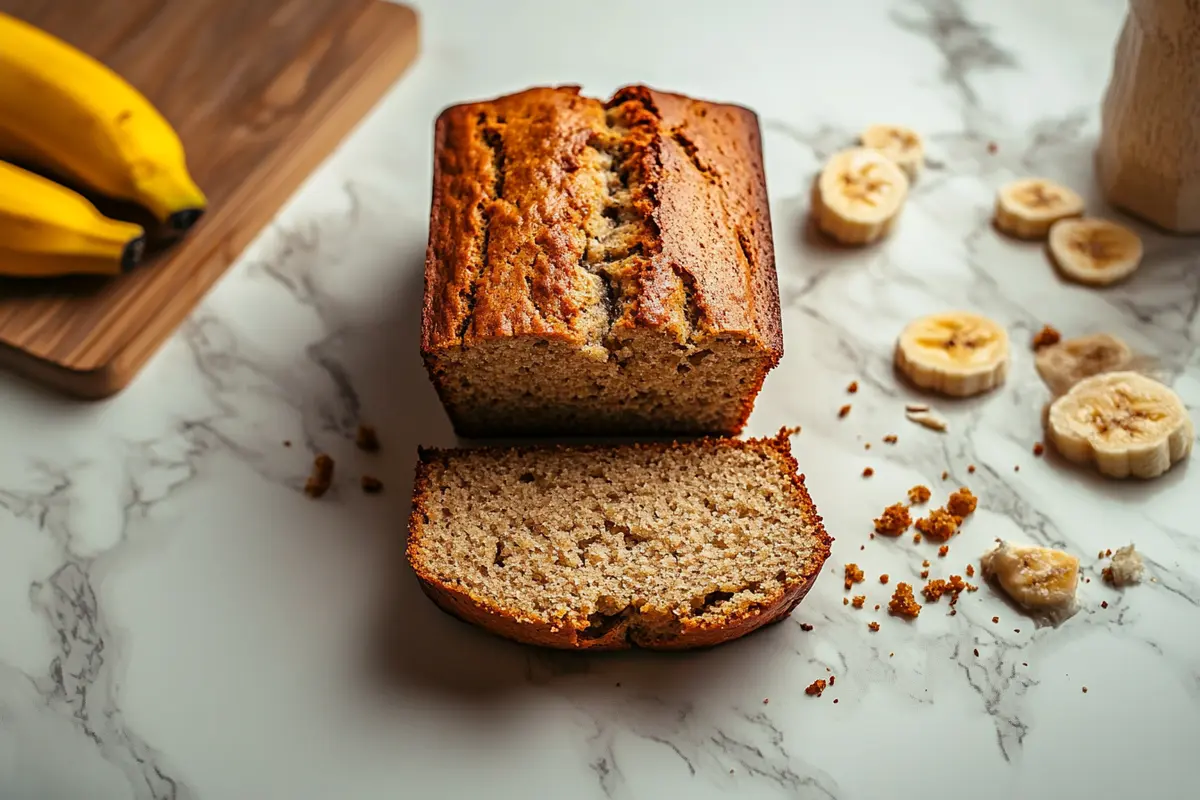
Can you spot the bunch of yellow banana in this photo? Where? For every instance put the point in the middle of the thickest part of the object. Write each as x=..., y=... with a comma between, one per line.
x=65, y=112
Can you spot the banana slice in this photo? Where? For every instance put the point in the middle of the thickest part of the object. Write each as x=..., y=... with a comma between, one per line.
x=955, y=353
x=1066, y=363
x=858, y=196
x=902, y=145
x=1124, y=422
x=1094, y=251
x=1028, y=207
x=1036, y=578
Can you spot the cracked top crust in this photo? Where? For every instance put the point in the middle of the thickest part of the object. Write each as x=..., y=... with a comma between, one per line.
x=561, y=216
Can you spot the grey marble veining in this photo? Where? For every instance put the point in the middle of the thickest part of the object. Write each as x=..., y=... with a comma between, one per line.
x=177, y=620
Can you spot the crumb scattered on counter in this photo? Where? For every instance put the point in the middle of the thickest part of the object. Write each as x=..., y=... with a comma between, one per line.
x=952, y=586
x=843, y=411
x=925, y=563
x=858, y=600
x=995, y=620
x=1038, y=449
x=367, y=439
x=853, y=575
x=815, y=688
x=903, y=603
x=883, y=578
x=791, y=430
x=917, y=537
x=1016, y=467
x=971, y=468
x=939, y=525
x=832, y=679
x=976, y=652
x=321, y=477
x=1085, y=690
x=970, y=570
x=962, y=503
x=894, y=520
x=845, y=601
x=945, y=474
x=371, y=484
x=804, y=626
x=924, y=574
x=866, y=445
x=992, y=147
x=868, y=472
x=1047, y=336
x=873, y=627
x=919, y=494
x=877, y=606
x=852, y=388
x=1104, y=604
x=943, y=550
x=891, y=438
x=287, y=442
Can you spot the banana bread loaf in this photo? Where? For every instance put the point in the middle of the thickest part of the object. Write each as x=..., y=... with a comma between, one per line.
x=656, y=545
x=599, y=267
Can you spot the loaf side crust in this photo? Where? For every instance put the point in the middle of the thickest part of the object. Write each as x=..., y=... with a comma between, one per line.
x=533, y=629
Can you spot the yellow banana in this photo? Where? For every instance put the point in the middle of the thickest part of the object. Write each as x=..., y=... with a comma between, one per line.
x=48, y=230
x=63, y=110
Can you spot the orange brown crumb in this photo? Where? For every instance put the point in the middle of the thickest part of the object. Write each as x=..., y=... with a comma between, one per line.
x=868, y=472
x=924, y=574
x=877, y=606
x=891, y=438
x=940, y=524
x=992, y=147
x=962, y=503
x=853, y=575
x=894, y=520
x=843, y=411
x=954, y=586
x=919, y=494
x=858, y=600
x=815, y=688
x=1107, y=574
x=1085, y=690
x=321, y=477
x=287, y=442
x=371, y=484
x=903, y=603
x=367, y=439
x=804, y=626
x=883, y=578
x=945, y=475
x=943, y=550
x=832, y=679
x=1104, y=604
x=995, y=620
x=917, y=538
x=790, y=430
x=873, y=626
x=970, y=570
x=1047, y=336
x=971, y=468
x=866, y=445
x=1038, y=448
x=845, y=601
x=852, y=388
x=925, y=563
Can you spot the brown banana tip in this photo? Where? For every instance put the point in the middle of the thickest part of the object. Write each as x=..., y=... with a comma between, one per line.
x=182, y=220
x=132, y=254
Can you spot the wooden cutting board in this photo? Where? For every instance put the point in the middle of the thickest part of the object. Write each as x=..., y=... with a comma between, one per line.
x=260, y=92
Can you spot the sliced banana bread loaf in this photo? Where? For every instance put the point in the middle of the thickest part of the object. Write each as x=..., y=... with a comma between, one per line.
x=657, y=545
x=599, y=267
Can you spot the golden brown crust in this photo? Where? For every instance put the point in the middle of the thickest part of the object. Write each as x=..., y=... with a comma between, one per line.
x=516, y=180
x=647, y=629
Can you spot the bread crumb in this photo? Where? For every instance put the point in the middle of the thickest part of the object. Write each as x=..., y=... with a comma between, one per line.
x=321, y=477
x=845, y=601
x=843, y=411
x=953, y=586
x=940, y=524
x=1016, y=467
x=868, y=472
x=971, y=468
x=943, y=550
x=1126, y=568
x=1085, y=690
x=917, y=537
x=883, y=578
x=835, y=700
x=853, y=575
x=995, y=620
x=919, y=494
x=815, y=688
x=367, y=439
x=766, y=700
x=866, y=445
x=992, y=147
x=891, y=438
x=970, y=570
x=976, y=652
x=371, y=484
x=804, y=626
x=287, y=442
x=790, y=430
x=903, y=603
x=945, y=474
x=1104, y=604
x=832, y=679
x=852, y=388
x=924, y=574
x=877, y=606
x=1038, y=449
x=858, y=600
x=894, y=520
x=962, y=503
x=873, y=626
x=1047, y=336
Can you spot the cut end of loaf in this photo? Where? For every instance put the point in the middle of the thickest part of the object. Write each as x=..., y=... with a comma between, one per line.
x=654, y=545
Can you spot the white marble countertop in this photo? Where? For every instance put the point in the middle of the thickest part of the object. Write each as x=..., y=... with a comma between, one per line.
x=177, y=620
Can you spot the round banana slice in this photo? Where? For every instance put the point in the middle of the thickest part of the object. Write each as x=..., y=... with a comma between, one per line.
x=1123, y=422
x=956, y=353
x=1066, y=363
x=1094, y=251
x=858, y=196
x=1026, y=208
x=902, y=145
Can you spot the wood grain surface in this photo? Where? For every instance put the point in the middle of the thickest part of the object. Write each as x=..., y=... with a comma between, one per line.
x=260, y=92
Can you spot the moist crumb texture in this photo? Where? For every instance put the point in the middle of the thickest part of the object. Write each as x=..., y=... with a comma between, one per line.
x=599, y=266
x=652, y=545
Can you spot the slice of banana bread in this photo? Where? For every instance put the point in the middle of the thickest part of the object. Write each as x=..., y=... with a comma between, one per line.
x=662, y=546
x=599, y=267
